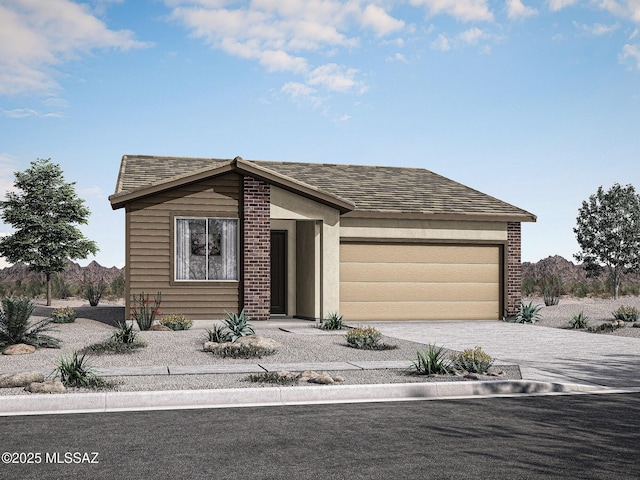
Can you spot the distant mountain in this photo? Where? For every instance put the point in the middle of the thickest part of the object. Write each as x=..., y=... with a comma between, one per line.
x=566, y=270
x=73, y=275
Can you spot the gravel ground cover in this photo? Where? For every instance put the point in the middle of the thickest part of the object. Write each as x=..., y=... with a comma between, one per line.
x=184, y=348
x=597, y=311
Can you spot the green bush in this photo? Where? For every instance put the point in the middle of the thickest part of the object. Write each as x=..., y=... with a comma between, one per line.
x=433, y=361
x=238, y=325
x=244, y=351
x=15, y=326
x=578, y=321
x=176, y=322
x=74, y=372
x=367, y=338
x=625, y=313
x=60, y=288
x=63, y=315
x=472, y=360
x=123, y=340
x=528, y=313
x=218, y=334
x=274, y=378
x=117, y=287
x=333, y=321
x=144, y=311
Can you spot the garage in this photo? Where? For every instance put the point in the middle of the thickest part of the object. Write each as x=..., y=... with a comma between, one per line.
x=419, y=282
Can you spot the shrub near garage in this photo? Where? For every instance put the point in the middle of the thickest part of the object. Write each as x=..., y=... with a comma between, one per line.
x=472, y=360
x=366, y=338
x=176, y=322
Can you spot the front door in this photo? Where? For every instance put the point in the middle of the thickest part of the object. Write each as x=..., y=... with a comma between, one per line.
x=278, y=272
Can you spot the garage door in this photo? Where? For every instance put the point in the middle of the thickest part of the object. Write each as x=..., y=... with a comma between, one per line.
x=419, y=282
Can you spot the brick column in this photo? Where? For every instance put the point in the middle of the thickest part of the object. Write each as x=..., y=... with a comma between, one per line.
x=514, y=268
x=256, y=248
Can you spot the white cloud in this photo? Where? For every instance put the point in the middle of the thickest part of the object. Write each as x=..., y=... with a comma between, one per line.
x=630, y=53
x=26, y=112
x=596, y=29
x=398, y=57
x=465, y=10
x=8, y=167
x=37, y=36
x=623, y=8
x=555, y=5
x=516, y=9
x=281, y=35
x=471, y=37
x=441, y=43
x=92, y=191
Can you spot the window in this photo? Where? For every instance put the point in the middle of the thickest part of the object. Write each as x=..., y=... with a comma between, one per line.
x=206, y=249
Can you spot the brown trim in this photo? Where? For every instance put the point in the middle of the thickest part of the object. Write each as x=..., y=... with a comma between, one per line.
x=127, y=265
x=504, y=275
x=470, y=217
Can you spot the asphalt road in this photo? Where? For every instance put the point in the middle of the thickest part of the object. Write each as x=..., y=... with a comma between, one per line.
x=568, y=437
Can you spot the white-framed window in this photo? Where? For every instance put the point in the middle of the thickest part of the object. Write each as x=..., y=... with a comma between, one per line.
x=206, y=249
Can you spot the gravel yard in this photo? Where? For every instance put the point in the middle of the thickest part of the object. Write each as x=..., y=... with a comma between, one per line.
x=597, y=311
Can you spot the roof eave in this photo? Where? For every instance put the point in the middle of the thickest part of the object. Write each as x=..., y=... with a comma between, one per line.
x=524, y=217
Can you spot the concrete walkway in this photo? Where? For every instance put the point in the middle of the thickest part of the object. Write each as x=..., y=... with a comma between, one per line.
x=544, y=354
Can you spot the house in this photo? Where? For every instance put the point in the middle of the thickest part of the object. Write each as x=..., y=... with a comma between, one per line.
x=305, y=240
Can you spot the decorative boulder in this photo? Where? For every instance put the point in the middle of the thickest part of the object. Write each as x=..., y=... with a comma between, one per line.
x=22, y=379
x=19, y=349
x=159, y=328
x=322, y=378
x=50, y=386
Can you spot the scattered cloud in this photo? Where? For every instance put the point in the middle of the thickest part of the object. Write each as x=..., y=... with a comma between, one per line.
x=8, y=167
x=623, y=8
x=283, y=35
x=471, y=37
x=343, y=118
x=517, y=10
x=27, y=112
x=597, y=29
x=464, y=10
x=92, y=191
x=555, y=5
x=398, y=57
x=630, y=54
x=37, y=37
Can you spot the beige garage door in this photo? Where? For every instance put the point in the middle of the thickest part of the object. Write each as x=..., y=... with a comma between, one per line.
x=419, y=282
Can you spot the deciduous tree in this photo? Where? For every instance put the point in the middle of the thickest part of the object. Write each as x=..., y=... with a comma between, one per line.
x=608, y=232
x=44, y=211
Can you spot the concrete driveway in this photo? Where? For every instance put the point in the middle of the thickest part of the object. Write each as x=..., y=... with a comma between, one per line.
x=543, y=353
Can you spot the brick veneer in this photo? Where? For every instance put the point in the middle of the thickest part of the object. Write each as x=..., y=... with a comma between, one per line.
x=514, y=268
x=256, y=248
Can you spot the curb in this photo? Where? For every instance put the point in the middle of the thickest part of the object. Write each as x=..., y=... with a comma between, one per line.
x=12, y=405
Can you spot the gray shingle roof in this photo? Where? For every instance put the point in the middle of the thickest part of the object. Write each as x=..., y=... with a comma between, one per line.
x=370, y=188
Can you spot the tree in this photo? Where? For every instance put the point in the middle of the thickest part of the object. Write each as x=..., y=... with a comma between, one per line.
x=44, y=211
x=608, y=232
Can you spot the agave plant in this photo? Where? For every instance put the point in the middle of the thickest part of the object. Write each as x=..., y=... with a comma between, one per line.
x=238, y=325
x=74, y=372
x=218, y=334
x=528, y=313
x=433, y=361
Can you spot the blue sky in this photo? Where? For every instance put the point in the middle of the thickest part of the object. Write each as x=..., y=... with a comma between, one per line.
x=536, y=103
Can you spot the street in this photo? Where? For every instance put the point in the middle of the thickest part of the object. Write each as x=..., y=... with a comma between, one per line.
x=580, y=436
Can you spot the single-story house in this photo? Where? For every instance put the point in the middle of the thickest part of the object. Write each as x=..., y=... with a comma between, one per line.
x=305, y=240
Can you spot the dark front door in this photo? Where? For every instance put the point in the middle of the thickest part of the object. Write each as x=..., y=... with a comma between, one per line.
x=278, y=272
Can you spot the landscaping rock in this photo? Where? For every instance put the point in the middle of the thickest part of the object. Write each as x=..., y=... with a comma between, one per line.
x=50, y=386
x=22, y=379
x=322, y=378
x=159, y=328
x=19, y=349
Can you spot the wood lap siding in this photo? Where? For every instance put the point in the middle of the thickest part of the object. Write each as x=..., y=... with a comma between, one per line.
x=150, y=255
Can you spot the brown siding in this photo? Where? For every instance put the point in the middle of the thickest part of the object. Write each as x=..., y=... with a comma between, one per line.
x=150, y=247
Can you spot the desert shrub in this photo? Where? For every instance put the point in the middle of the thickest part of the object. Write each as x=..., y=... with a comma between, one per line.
x=176, y=322
x=529, y=287
x=243, y=351
x=433, y=361
x=75, y=372
x=367, y=338
x=604, y=327
x=578, y=321
x=238, y=325
x=528, y=313
x=218, y=334
x=632, y=289
x=123, y=340
x=93, y=293
x=333, y=321
x=625, y=313
x=35, y=288
x=15, y=326
x=63, y=315
x=60, y=288
x=144, y=311
x=117, y=286
x=551, y=290
x=274, y=378
x=472, y=360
